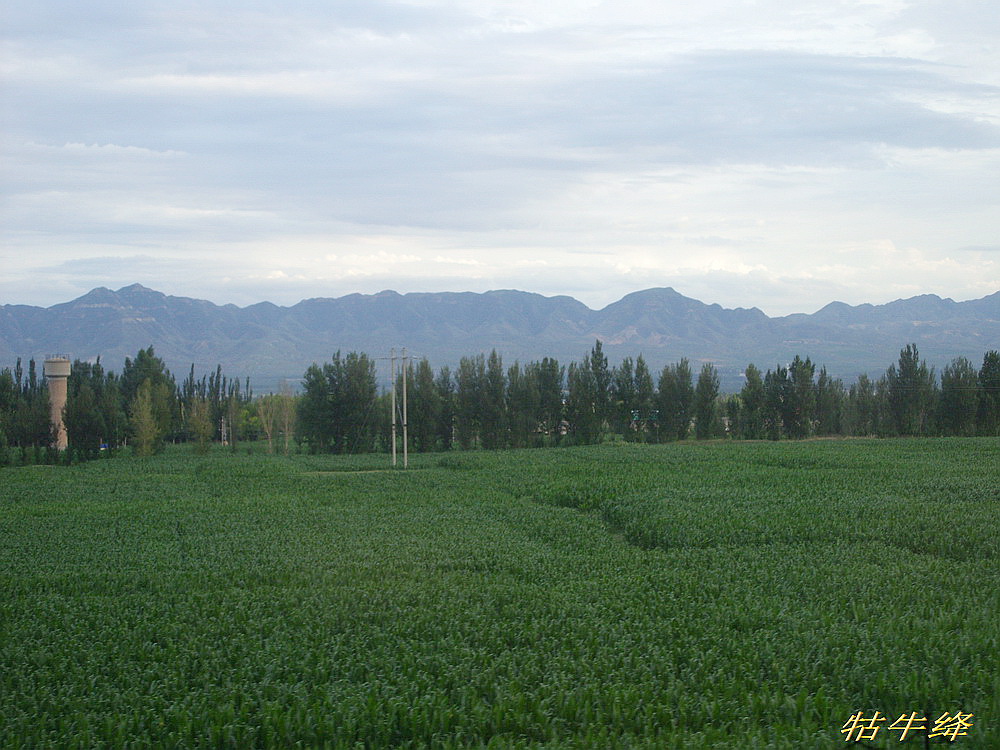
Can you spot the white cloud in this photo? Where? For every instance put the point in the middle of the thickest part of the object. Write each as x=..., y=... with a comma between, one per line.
x=728, y=149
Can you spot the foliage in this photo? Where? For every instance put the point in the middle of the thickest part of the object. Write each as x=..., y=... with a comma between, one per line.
x=801, y=406
x=337, y=408
x=910, y=392
x=24, y=408
x=959, y=400
x=749, y=423
x=988, y=417
x=148, y=370
x=493, y=406
x=830, y=398
x=470, y=383
x=675, y=400
x=485, y=405
x=146, y=433
x=706, y=413
x=200, y=426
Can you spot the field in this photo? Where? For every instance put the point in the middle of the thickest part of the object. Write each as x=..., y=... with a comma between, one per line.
x=723, y=595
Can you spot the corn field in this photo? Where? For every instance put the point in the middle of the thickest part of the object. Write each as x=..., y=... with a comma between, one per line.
x=696, y=595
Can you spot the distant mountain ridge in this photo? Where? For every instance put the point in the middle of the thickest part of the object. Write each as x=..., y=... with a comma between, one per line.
x=268, y=343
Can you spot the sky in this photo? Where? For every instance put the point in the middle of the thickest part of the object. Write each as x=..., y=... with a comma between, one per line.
x=753, y=153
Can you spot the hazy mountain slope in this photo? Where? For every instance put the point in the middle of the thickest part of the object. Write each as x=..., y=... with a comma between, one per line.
x=268, y=342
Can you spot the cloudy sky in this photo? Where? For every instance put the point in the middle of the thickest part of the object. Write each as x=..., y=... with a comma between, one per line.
x=752, y=153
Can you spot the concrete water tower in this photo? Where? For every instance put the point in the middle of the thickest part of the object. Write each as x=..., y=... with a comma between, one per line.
x=56, y=372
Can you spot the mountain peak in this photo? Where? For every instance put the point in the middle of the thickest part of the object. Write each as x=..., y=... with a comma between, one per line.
x=269, y=341
x=133, y=289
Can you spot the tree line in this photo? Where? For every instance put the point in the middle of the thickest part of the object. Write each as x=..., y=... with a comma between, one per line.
x=484, y=404
x=142, y=408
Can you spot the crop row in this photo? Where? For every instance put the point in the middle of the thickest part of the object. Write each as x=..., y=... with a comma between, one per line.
x=712, y=595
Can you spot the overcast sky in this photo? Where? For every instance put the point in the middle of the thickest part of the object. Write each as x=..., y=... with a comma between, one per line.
x=771, y=154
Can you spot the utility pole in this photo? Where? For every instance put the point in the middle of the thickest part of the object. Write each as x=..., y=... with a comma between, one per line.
x=406, y=371
x=392, y=379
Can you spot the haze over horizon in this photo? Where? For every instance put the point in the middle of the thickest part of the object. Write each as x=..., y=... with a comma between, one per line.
x=745, y=154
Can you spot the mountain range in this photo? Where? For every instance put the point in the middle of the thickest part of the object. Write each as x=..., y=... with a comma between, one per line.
x=269, y=343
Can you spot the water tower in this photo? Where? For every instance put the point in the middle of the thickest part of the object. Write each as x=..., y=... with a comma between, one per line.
x=56, y=371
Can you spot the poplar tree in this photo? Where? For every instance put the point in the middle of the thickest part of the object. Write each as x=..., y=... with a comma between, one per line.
x=751, y=413
x=470, y=382
x=146, y=435
x=625, y=414
x=706, y=392
x=675, y=400
x=201, y=429
x=493, y=415
x=861, y=408
x=830, y=397
x=777, y=402
x=645, y=399
x=801, y=398
x=550, y=377
x=581, y=403
x=988, y=415
x=959, y=399
x=445, y=386
x=910, y=392
x=424, y=408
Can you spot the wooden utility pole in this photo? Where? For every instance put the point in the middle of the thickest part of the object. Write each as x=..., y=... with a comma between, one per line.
x=392, y=380
x=406, y=371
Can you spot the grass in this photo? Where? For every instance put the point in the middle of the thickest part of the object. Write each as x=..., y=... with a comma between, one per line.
x=696, y=595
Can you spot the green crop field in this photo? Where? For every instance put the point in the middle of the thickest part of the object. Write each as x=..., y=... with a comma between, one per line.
x=724, y=595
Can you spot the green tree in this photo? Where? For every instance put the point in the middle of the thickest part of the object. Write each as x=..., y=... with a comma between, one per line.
x=85, y=425
x=600, y=375
x=751, y=414
x=267, y=414
x=233, y=416
x=287, y=414
x=778, y=402
x=549, y=376
x=582, y=403
x=988, y=415
x=470, y=385
x=315, y=411
x=801, y=398
x=493, y=411
x=93, y=409
x=959, y=399
x=624, y=409
x=164, y=403
x=200, y=427
x=830, y=397
x=706, y=413
x=525, y=403
x=337, y=411
x=861, y=409
x=146, y=435
x=675, y=400
x=911, y=393
x=354, y=389
x=28, y=422
x=445, y=385
x=588, y=397
x=424, y=407
x=645, y=397
x=8, y=402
